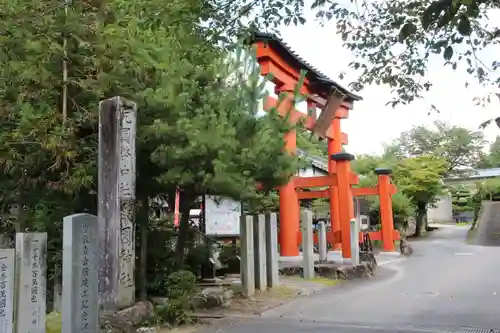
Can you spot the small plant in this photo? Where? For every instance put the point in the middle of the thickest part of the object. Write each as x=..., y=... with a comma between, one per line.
x=181, y=286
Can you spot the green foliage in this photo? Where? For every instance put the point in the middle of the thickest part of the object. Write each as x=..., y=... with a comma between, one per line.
x=489, y=189
x=311, y=144
x=198, y=125
x=420, y=177
x=262, y=202
x=53, y=323
x=460, y=147
x=161, y=255
x=461, y=196
x=320, y=207
x=492, y=159
x=402, y=209
x=402, y=206
x=418, y=180
x=181, y=286
x=393, y=41
x=366, y=164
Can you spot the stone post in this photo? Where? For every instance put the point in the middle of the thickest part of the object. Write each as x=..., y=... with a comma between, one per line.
x=80, y=304
x=354, y=233
x=322, y=242
x=31, y=259
x=247, y=255
x=116, y=202
x=259, y=243
x=7, y=276
x=272, y=250
x=307, y=244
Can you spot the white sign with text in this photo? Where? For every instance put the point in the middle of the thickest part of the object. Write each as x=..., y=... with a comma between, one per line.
x=222, y=216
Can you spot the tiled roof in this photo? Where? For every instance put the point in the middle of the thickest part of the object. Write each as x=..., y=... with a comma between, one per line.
x=479, y=174
x=316, y=77
x=318, y=162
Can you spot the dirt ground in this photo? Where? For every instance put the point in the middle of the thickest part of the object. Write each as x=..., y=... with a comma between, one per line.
x=290, y=287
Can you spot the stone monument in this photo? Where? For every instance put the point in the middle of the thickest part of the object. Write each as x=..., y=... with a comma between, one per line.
x=7, y=274
x=31, y=259
x=116, y=202
x=307, y=244
x=80, y=304
x=259, y=243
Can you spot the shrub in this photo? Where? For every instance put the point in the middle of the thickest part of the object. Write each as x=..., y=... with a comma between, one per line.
x=402, y=209
x=181, y=286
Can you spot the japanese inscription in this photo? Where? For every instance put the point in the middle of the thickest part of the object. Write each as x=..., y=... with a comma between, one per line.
x=116, y=197
x=84, y=292
x=7, y=258
x=126, y=199
x=80, y=264
x=126, y=162
x=3, y=287
x=32, y=254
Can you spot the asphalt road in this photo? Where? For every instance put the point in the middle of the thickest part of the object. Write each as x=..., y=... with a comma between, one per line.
x=446, y=286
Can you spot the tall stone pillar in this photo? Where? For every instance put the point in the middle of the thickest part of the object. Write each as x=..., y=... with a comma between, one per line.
x=116, y=202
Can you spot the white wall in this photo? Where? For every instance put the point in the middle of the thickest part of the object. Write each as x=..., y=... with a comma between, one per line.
x=311, y=172
x=442, y=212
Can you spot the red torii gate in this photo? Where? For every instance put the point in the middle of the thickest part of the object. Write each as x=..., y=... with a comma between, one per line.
x=335, y=101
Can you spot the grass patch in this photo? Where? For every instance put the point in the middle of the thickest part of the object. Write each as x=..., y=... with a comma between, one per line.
x=181, y=329
x=462, y=224
x=318, y=279
x=53, y=323
x=282, y=292
x=325, y=281
x=378, y=244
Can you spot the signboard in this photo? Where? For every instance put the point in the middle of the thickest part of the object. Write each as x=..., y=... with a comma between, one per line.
x=222, y=216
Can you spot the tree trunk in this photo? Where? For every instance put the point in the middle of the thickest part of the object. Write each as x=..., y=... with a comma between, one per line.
x=421, y=218
x=143, y=215
x=185, y=203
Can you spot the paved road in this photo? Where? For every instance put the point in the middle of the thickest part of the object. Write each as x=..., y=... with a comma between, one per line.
x=444, y=287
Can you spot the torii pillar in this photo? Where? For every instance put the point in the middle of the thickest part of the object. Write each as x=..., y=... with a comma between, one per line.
x=334, y=147
x=386, y=216
x=289, y=202
x=345, y=198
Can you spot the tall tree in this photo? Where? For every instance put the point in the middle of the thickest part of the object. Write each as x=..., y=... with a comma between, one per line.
x=393, y=41
x=197, y=107
x=461, y=148
x=492, y=159
x=419, y=178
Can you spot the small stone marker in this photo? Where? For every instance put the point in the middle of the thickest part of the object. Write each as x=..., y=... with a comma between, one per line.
x=31, y=256
x=322, y=241
x=259, y=242
x=354, y=241
x=307, y=244
x=80, y=311
x=116, y=202
x=272, y=250
x=247, y=255
x=7, y=274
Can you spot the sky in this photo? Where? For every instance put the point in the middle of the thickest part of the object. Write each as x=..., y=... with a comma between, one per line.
x=371, y=123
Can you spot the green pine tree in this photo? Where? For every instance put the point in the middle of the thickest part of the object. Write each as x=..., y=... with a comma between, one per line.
x=197, y=108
